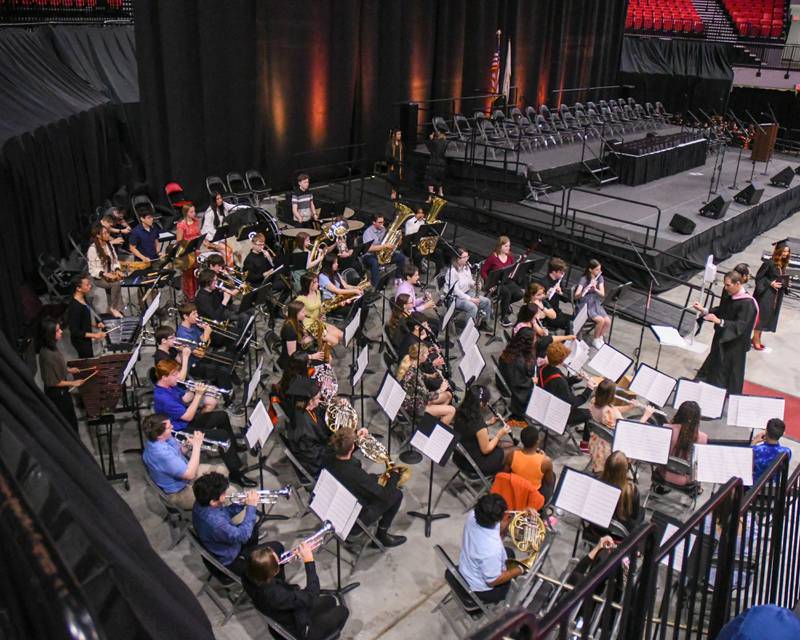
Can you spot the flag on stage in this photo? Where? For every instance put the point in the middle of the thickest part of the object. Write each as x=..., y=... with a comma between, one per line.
x=494, y=84
x=507, y=73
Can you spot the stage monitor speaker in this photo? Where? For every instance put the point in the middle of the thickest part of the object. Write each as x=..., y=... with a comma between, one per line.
x=682, y=224
x=751, y=194
x=409, y=112
x=717, y=208
x=783, y=178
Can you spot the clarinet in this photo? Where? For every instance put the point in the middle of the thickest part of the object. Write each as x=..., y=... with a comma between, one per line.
x=497, y=415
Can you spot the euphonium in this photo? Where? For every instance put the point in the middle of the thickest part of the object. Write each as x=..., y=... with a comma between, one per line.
x=427, y=245
x=314, y=541
x=340, y=414
x=394, y=235
x=317, y=249
x=527, y=531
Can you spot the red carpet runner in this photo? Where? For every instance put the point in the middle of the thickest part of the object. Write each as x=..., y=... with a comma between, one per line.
x=791, y=412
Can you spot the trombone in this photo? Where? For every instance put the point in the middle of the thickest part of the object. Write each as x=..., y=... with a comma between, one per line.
x=218, y=327
x=212, y=392
x=203, y=348
x=208, y=444
x=315, y=541
x=265, y=496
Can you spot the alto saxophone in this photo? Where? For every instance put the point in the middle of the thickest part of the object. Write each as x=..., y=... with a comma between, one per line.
x=341, y=299
x=394, y=235
x=427, y=245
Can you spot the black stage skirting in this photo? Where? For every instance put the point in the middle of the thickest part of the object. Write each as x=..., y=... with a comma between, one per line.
x=638, y=169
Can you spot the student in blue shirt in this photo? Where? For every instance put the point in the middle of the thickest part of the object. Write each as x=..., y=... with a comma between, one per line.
x=228, y=531
x=189, y=329
x=766, y=447
x=143, y=239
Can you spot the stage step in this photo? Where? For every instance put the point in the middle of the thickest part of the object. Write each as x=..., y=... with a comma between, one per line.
x=600, y=172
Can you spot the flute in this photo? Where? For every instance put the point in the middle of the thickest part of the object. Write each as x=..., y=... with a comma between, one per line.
x=641, y=405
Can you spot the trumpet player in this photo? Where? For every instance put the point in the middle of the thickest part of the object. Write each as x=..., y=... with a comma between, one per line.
x=380, y=503
x=166, y=350
x=193, y=410
x=165, y=460
x=306, y=613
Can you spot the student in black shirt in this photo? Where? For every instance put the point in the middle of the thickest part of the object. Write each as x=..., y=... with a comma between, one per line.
x=556, y=269
x=552, y=380
x=517, y=365
x=377, y=501
x=211, y=302
x=79, y=318
x=165, y=350
x=307, y=435
x=306, y=613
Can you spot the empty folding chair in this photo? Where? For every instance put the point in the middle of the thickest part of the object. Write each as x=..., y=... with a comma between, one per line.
x=176, y=197
x=177, y=519
x=548, y=130
x=215, y=184
x=257, y=185
x=238, y=188
x=440, y=126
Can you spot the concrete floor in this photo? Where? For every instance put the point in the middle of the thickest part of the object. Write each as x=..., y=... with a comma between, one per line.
x=400, y=588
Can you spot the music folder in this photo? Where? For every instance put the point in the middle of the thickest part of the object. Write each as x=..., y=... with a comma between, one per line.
x=610, y=363
x=578, y=355
x=710, y=398
x=471, y=364
x=548, y=410
x=717, y=464
x=641, y=441
x=261, y=426
x=254, y=381
x=581, y=316
x=390, y=396
x=653, y=385
x=469, y=336
x=333, y=502
x=434, y=440
x=586, y=497
x=753, y=412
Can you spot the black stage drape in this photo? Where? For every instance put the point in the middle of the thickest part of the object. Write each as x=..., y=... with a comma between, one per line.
x=635, y=170
x=94, y=529
x=251, y=86
x=784, y=104
x=66, y=146
x=683, y=74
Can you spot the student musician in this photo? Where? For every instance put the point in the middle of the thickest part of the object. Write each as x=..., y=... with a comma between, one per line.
x=424, y=305
x=304, y=212
x=556, y=271
x=331, y=283
x=590, y=292
x=459, y=279
x=380, y=503
x=104, y=269
x=196, y=412
x=302, y=244
x=188, y=229
x=532, y=463
x=311, y=298
x=490, y=453
x=190, y=330
x=508, y=291
x=420, y=397
x=144, y=239
x=213, y=302
x=517, y=365
x=686, y=433
x=54, y=372
x=83, y=330
x=166, y=350
x=767, y=446
x=259, y=265
x=375, y=233
x=307, y=435
x=213, y=219
x=629, y=510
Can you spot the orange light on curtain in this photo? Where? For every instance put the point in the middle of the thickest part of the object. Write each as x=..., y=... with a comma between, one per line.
x=319, y=91
x=277, y=107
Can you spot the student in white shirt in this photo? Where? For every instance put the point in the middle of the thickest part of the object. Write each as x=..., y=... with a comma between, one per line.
x=467, y=298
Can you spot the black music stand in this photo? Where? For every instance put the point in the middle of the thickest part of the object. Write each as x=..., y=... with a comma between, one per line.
x=497, y=277
x=260, y=421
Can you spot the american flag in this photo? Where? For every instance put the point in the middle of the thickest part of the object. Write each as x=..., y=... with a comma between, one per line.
x=494, y=85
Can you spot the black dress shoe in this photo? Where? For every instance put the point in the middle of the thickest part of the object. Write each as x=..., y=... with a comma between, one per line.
x=388, y=540
x=243, y=481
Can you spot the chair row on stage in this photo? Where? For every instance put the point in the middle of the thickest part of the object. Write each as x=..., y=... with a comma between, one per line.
x=532, y=129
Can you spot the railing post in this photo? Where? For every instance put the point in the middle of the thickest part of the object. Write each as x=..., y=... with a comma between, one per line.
x=648, y=577
x=721, y=601
x=777, y=543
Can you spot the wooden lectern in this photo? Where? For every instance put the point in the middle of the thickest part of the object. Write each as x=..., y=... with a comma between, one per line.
x=764, y=142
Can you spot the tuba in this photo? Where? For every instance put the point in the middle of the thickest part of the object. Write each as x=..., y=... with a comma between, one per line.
x=394, y=235
x=427, y=245
x=528, y=532
x=317, y=249
x=341, y=414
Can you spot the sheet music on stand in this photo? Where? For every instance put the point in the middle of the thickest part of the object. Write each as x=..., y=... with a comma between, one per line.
x=754, y=412
x=260, y=426
x=653, y=385
x=469, y=336
x=641, y=441
x=449, y=313
x=669, y=337
x=435, y=443
x=580, y=319
x=578, y=356
x=471, y=364
x=361, y=364
x=717, y=464
x=131, y=363
x=151, y=309
x=254, y=381
x=610, y=363
x=677, y=555
x=351, y=329
x=390, y=396
x=586, y=497
x=710, y=398
x=548, y=410
x=333, y=502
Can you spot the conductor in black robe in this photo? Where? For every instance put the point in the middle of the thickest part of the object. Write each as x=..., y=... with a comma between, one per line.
x=771, y=281
x=733, y=322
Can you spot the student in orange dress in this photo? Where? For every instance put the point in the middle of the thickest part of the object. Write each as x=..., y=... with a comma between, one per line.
x=188, y=229
x=533, y=464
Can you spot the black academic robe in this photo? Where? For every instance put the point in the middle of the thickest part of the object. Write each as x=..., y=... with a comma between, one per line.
x=724, y=366
x=769, y=300
x=308, y=440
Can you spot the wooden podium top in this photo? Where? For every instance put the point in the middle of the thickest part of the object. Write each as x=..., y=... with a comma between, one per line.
x=764, y=142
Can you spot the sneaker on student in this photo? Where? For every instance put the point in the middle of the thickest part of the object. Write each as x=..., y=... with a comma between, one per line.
x=506, y=321
x=583, y=446
x=597, y=343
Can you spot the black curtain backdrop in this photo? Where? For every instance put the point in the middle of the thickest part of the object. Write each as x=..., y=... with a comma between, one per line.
x=683, y=74
x=785, y=105
x=65, y=145
x=94, y=529
x=269, y=85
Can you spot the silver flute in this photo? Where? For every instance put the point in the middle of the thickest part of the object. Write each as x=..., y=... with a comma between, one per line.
x=214, y=392
x=641, y=405
x=265, y=496
x=208, y=444
x=314, y=541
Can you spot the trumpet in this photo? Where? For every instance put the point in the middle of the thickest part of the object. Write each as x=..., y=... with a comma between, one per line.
x=213, y=392
x=208, y=444
x=315, y=541
x=265, y=496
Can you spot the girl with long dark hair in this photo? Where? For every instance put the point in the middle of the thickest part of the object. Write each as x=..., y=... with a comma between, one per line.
x=769, y=293
x=55, y=373
x=518, y=367
x=489, y=453
x=686, y=433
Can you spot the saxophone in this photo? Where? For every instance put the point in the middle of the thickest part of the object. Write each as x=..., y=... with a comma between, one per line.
x=341, y=299
x=427, y=245
x=394, y=235
x=318, y=329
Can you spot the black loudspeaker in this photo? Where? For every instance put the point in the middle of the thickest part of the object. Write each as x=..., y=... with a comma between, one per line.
x=782, y=179
x=682, y=224
x=718, y=207
x=409, y=113
x=751, y=194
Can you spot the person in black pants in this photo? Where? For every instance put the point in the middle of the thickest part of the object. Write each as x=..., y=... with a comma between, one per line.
x=53, y=369
x=79, y=318
x=556, y=269
x=378, y=501
x=306, y=613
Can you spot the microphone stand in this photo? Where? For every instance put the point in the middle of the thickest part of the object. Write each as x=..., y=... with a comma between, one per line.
x=741, y=149
x=764, y=133
x=653, y=280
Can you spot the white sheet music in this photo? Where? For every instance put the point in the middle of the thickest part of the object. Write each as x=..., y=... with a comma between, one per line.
x=469, y=336
x=640, y=441
x=151, y=309
x=254, y=381
x=391, y=396
x=350, y=329
x=449, y=313
x=471, y=364
x=677, y=562
x=361, y=364
x=710, y=398
x=547, y=410
x=578, y=356
x=610, y=363
x=131, y=363
x=332, y=501
x=718, y=464
x=260, y=426
x=653, y=385
x=753, y=412
x=668, y=336
x=587, y=498
x=580, y=319
x=435, y=445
